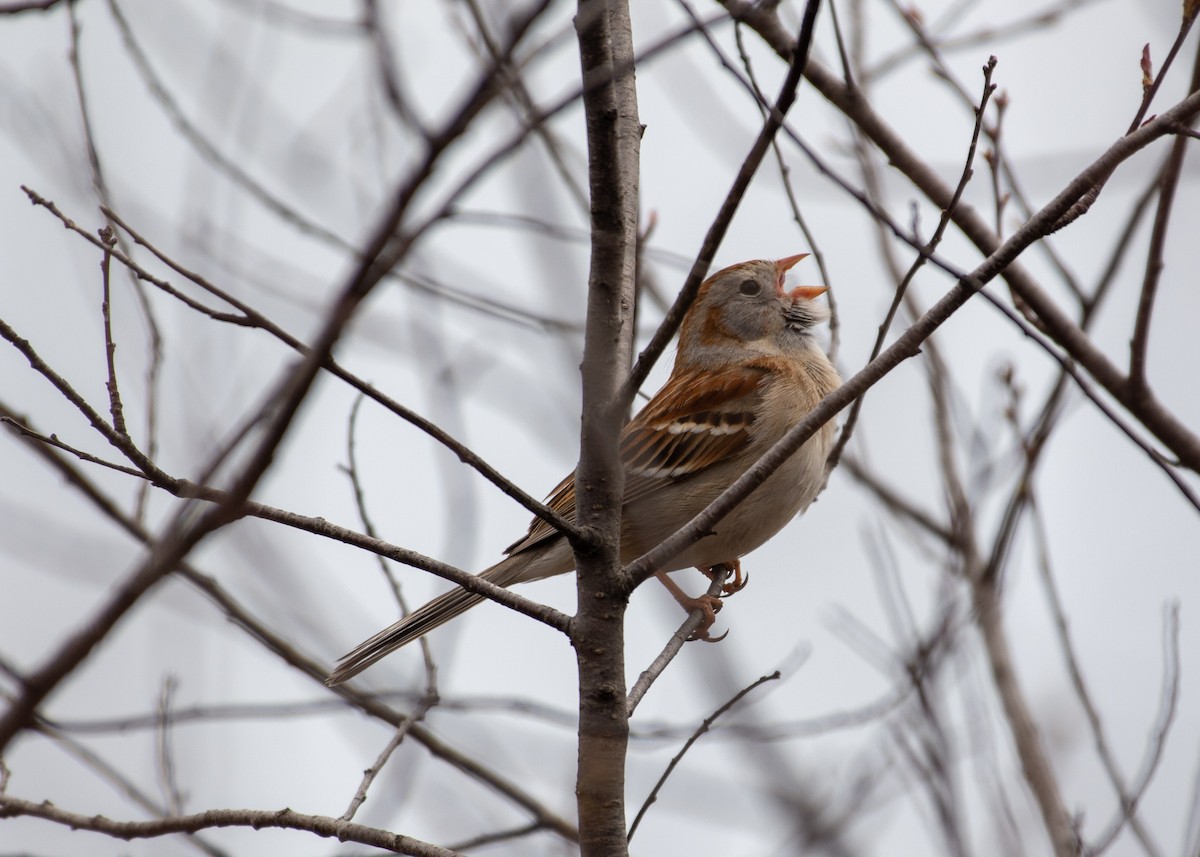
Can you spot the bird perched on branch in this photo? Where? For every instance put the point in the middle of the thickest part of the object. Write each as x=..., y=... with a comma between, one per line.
x=747, y=369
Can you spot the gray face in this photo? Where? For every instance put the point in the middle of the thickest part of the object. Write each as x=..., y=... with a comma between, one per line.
x=751, y=305
x=747, y=303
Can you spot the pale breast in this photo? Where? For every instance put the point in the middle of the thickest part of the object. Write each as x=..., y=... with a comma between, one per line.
x=787, y=398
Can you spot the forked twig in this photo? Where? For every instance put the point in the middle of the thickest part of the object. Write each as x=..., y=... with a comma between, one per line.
x=284, y=819
x=674, y=645
x=1075, y=671
x=1168, y=182
x=700, y=730
x=288, y=653
x=923, y=256
x=1167, y=709
x=716, y=231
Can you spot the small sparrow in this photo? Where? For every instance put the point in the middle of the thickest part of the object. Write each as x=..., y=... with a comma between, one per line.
x=747, y=369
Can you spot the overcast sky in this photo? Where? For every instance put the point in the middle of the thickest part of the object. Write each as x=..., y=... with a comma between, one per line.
x=484, y=338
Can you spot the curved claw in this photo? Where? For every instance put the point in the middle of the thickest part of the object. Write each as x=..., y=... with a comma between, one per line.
x=705, y=637
x=736, y=583
x=709, y=606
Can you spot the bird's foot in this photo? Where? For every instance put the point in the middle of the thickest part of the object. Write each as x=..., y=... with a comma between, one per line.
x=708, y=605
x=734, y=584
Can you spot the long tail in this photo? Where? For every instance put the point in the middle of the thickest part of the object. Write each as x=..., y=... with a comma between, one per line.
x=419, y=623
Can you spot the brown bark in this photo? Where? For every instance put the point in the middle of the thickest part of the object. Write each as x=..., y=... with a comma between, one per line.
x=614, y=140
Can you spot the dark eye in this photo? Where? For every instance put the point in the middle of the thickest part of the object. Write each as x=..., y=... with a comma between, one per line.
x=750, y=287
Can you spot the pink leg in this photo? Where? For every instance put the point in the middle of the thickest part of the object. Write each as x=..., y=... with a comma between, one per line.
x=706, y=603
x=736, y=583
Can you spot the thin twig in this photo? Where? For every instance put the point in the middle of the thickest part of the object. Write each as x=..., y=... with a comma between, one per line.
x=398, y=736
x=247, y=316
x=207, y=150
x=1035, y=763
x=287, y=652
x=110, y=346
x=1167, y=709
x=476, y=842
x=695, y=736
x=1185, y=25
x=835, y=320
x=110, y=239
x=53, y=440
x=897, y=504
x=674, y=645
x=1168, y=182
x=430, y=697
x=376, y=25
x=360, y=503
x=477, y=705
x=926, y=252
x=147, y=469
x=284, y=819
x=1191, y=833
x=17, y=8
x=110, y=775
x=987, y=35
x=716, y=231
x=525, y=107
x=1074, y=670
x=172, y=796
x=926, y=744
x=1149, y=92
x=996, y=159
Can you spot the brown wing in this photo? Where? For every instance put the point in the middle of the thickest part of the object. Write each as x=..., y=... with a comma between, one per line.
x=695, y=421
x=561, y=500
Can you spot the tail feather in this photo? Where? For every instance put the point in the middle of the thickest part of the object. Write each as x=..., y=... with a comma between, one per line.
x=413, y=626
x=423, y=620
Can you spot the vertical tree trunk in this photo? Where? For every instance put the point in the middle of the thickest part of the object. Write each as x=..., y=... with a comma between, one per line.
x=614, y=140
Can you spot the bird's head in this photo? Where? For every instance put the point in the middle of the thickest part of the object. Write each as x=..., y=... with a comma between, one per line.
x=747, y=303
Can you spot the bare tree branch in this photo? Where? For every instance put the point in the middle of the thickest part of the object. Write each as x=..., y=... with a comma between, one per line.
x=1151, y=412
x=926, y=252
x=249, y=317
x=943, y=732
x=675, y=644
x=1168, y=706
x=614, y=131
x=703, y=728
x=1154, y=416
x=284, y=819
x=1103, y=748
x=1168, y=181
x=289, y=654
x=798, y=60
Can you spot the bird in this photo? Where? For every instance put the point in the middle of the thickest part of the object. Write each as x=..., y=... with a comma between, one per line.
x=747, y=368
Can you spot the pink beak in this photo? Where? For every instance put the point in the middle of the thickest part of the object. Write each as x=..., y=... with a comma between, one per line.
x=807, y=292
x=782, y=266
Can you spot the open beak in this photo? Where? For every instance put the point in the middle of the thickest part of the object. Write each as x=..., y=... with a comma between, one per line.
x=807, y=292
x=781, y=268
